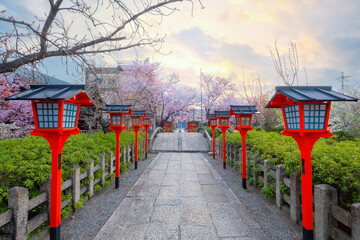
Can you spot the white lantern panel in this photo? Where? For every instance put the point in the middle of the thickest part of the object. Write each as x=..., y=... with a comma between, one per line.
x=124, y=120
x=292, y=117
x=237, y=121
x=314, y=116
x=225, y=122
x=69, y=115
x=116, y=120
x=213, y=122
x=135, y=121
x=47, y=114
x=245, y=121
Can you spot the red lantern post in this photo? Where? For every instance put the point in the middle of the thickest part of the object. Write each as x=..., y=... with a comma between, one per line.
x=306, y=113
x=213, y=125
x=147, y=124
x=223, y=117
x=191, y=126
x=56, y=111
x=117, y=123
x=243, y=118
x=136, y=125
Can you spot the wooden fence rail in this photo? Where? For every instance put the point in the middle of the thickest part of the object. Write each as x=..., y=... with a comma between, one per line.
x=14, y=223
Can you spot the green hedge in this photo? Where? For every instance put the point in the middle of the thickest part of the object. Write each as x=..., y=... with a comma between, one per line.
x=217, y=131
x=333, y=162
x=27, y=162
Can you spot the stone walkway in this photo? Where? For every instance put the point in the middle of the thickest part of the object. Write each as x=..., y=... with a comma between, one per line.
x=181, y=196
x=190, y=142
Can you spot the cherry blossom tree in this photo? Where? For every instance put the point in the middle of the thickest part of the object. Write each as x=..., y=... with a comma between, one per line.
x=16, y=118
x=215, y=88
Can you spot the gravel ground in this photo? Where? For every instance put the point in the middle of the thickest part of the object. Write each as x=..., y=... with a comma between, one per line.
x=275, y=223
x=86, y=222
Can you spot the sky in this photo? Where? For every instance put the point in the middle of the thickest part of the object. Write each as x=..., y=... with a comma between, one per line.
x=232, y=37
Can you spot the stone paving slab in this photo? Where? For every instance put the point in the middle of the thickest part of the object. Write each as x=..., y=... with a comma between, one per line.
x=190, y=142
x=184, y=200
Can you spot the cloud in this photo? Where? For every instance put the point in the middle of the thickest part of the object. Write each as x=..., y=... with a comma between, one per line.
x=196, y=40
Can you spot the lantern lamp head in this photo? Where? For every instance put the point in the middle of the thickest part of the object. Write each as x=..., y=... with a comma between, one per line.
x=147, y=119
x=55, y=107
x=118, y=115
x=212, y=119
x=306, y=109
x=136, y=118
x=243, y=115
x=223, y=118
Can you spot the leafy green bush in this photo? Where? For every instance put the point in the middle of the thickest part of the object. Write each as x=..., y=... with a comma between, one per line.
x=27, y=162
x=333, y=162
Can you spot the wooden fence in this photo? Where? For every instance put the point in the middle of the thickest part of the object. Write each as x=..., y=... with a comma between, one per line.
x=14, y=223
x=330, y=220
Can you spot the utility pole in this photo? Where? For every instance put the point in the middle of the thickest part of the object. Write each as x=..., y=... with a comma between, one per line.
x=342, y=79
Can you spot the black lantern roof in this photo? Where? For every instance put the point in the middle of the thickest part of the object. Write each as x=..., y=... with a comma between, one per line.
x=222, y=114
x=139, y=113
x=117, y=109
x=210, y=115
x=52, y=92
x=305, y=94
x=237, y=109
x=149, y=115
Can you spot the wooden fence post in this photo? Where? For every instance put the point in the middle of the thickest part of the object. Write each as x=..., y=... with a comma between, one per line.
x=266, y=171
x=111, y=163
x=255, y=175
x=103, y=169
x=18, y=200
x=295, y=190
x=90, y=173
x=324, y=196
x=355, y=221
x=75, y=181
x=280, y=173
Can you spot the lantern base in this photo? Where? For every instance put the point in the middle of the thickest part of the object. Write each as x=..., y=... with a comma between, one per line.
x=224, y=164
x=55, y=233
x=146, y=155
x=135, y=164
x=307, y=234
x=117, y=182
x=244, y=183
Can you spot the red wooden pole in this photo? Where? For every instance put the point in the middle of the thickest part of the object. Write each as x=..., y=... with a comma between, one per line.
x=117, y=158
x=146, y=141
x=306, y=144
x=136, y=146
x=243, y=158
x=224, y=147
x=56, y=143
x=213, y=135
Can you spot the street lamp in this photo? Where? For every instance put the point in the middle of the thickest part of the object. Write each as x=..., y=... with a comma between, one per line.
x=213, y=125
x=136, y=125
x=117, y=123
x=243, y=116
x=56, y=111
x=223, y=117
x=147, y=124
x=306, y=113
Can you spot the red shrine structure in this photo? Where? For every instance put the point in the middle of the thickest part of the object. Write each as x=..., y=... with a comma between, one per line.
x=136, y=125
x=223, y=117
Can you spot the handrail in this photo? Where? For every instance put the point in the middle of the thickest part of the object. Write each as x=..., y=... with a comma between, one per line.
x=153, y=136
x=206, y=135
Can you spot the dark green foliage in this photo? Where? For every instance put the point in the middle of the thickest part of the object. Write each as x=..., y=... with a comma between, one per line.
x=27, y=162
